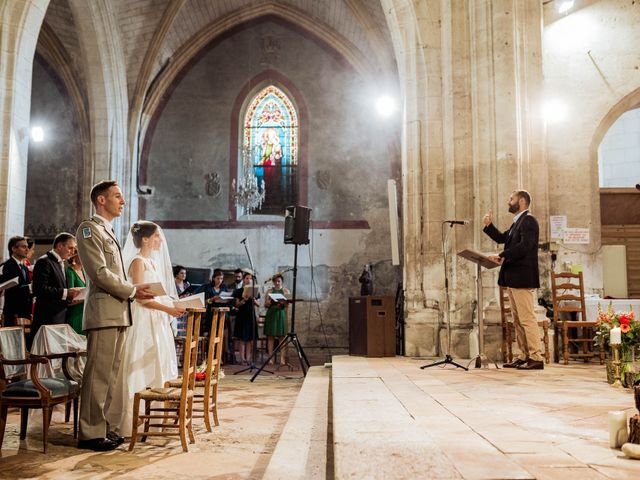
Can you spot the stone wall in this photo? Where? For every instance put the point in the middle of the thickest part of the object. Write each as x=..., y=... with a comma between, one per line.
x=589, y=66
x=348, y=151
x=55, y=165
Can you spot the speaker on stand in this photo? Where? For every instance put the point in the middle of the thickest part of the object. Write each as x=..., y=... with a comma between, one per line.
x=296, y=225
x=296, y=232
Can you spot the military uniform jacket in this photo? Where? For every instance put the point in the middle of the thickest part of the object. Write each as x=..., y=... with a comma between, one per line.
x=108, y=299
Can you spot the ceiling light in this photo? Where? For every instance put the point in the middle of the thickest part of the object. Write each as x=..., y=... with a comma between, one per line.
x=555, y=111
x=37, y=134
x=385, y=105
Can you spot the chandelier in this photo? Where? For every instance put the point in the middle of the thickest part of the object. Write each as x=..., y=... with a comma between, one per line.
x=247, y=194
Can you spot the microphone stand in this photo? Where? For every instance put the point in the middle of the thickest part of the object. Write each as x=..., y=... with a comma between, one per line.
x=254, y=349
x=291, y=337
x=448, y=359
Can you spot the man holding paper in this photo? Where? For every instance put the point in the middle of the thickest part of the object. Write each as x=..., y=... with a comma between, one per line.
x=107, y=314
x=519, y=274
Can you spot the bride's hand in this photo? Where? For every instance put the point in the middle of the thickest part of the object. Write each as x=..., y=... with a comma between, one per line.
x=176, y=312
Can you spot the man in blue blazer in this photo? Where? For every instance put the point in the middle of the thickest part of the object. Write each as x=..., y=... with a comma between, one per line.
x=17, y=299
x=520, y=276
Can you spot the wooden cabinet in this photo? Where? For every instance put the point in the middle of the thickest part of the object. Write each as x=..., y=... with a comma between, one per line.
x=372, y=326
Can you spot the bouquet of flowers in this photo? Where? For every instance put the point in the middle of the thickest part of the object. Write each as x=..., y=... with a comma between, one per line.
x=626, y=321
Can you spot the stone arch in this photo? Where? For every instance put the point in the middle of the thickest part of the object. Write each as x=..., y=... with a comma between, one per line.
x=238, y=19
x=20, y=23
x=58, y=60
x=107, y=96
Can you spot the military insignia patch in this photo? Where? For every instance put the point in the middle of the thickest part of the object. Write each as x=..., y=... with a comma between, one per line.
x=86, y=232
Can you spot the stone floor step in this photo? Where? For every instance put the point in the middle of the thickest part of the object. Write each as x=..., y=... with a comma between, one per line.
x=301, y=451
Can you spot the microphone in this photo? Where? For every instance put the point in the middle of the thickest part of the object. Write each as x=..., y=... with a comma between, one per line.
x=457, y=222
x=244, y=240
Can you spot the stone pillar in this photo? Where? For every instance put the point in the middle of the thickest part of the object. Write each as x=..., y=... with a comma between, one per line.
x=20, y=22
x=471, y=75
x=107, y=90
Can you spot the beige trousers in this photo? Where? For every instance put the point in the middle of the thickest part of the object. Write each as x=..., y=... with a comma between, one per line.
x=525, y=322
x=104, y=350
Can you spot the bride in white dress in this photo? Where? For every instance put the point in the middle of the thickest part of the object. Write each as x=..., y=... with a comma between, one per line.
x=149, y=353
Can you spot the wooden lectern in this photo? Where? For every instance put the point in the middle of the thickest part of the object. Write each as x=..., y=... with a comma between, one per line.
x=481, y=261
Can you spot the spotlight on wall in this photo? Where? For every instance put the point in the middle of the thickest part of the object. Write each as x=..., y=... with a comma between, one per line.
x=563, y=6
x=554, y=111
x=37, y=134
x=385, y=105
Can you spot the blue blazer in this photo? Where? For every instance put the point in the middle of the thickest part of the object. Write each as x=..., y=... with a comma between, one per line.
x=520, y=256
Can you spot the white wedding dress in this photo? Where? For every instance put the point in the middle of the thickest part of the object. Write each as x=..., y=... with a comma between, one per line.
x=149, y=356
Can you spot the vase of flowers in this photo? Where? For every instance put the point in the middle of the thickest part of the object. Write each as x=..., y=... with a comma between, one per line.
x=629, y=334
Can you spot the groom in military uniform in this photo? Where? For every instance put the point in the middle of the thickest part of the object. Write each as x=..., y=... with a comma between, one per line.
x=107, y=314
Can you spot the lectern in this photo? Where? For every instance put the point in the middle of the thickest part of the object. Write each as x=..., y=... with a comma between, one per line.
x=481, y=261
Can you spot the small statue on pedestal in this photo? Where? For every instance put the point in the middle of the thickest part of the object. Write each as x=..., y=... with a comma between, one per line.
x=366, y=281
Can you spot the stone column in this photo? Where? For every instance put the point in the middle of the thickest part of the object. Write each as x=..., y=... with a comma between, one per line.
x=471, y=74
x=20, y=22
x=107, y=91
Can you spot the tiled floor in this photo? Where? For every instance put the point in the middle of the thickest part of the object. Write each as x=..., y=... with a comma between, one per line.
x=394, y=420
x=252, y=415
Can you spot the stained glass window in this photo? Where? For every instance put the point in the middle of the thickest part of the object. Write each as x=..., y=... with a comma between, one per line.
x=270, y=134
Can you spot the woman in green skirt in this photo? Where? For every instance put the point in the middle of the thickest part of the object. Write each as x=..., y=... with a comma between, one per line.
x=75, y=278
x=275, y=323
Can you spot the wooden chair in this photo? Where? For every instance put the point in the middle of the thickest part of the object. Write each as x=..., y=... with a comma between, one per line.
x=177, y=403
x=209, y=395
x=25, y=324
x=509, y=331
x=43, y=393
x=567, y=290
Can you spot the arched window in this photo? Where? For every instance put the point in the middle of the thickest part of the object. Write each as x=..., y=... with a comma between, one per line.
x=270, y=135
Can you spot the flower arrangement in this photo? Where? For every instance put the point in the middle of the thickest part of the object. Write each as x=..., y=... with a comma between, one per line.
x=626, y=321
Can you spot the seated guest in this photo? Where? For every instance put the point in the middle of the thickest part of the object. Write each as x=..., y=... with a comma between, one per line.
x=17, y=299
x=212, y=293
x=76, y=278
x=50, y=285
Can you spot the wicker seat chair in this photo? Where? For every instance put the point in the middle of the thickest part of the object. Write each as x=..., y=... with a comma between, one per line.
x=175, y=412
x=208, y=397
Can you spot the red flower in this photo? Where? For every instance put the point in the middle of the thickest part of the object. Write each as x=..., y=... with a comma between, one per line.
x=624, y=327
x=624, y=320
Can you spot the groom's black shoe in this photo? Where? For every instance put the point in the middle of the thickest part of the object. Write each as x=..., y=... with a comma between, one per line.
x=97, y=444
x=515, y=364
x=114, y=437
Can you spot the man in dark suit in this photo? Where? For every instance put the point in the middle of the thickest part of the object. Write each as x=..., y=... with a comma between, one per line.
x=17, y=299
x=50, y=284
x=519, y=274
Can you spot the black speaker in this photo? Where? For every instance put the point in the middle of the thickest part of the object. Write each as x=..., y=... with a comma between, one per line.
x=296, y=225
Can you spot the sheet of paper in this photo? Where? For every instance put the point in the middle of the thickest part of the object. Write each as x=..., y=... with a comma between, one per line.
x=192, y=301
x=576, y=235
x=156, y=288
x=82, y=295
x=276, y=297
x=9, y=283
x=557, y=224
